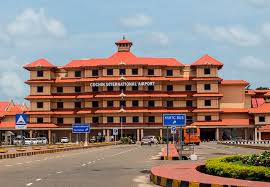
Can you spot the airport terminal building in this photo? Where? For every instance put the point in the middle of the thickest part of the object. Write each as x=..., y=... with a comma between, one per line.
x=131, y=93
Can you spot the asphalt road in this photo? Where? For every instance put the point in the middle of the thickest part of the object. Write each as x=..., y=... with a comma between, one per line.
x=121, y=165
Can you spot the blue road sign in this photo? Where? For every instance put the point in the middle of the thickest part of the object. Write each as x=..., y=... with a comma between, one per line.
x=115, y=132
x=80, y=128
x=173, y=130
x=21, y=121
x=174, y=119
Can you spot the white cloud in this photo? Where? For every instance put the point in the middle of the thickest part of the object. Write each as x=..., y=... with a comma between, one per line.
x=258, y=3
x=235, y=35
x=138, y=20
x=159, y=38
x=35, y=23
x=254, y=64
x=266, y=30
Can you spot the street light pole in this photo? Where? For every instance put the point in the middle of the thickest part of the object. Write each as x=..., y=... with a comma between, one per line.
x=121, y=123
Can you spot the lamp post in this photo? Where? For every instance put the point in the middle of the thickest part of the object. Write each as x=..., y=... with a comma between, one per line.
x=121, y=120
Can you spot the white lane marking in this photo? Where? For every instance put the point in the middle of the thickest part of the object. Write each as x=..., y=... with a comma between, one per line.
x=89, y=162
x=29, y=184
x=98, y=159
x=218, y=149
x=38, y=179
x=83, y=164
x=58, y=172
x=28, y=162
x=94, y=161
x=8, y=165
x=124, y=152
x=19, y=163
x=38, y=160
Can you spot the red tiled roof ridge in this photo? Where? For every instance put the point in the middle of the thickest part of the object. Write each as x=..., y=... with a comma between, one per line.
x=41, y=62
x=207, y=60
x=264, y=108
x=228, y=82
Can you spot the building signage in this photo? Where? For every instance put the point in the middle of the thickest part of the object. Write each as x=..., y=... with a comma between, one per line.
x=80, y=128
x=123, y=83
x=174, y=119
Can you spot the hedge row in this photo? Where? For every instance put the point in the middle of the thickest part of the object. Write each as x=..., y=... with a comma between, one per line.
x=228, y=167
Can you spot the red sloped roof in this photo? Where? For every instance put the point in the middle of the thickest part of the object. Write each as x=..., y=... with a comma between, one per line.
x=207, y=60
x=223, y=122
x=3, y=106
x=264, y=108
x=234, y=110
x=265, y=128
x=40, y=63
x=123, y=41
x=234, y=82
x=267, y=94
x=250, y=92
x=127, y=58
x=256, y=102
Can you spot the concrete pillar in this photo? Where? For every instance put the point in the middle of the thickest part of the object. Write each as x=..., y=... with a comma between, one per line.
x=50, y=136
x=108, y=138
x=138, y=134
x=70, y=136
x=246, y=133
x=260, y=135
x=86, y=139
x=31, y=133
x=217, y=134
x=103, y=132
x=255, y=134
x=141, y=133
x=161, y=135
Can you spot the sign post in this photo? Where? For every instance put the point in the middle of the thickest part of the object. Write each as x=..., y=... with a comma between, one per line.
x=115, y=133
x=79, y=128
x=21, y=124
x=175, y=120
x=173, y=131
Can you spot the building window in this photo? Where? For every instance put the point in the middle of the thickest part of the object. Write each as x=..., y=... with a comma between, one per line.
x=261, y=118
x=135, y=119
x=123, y=119
x=95, y=119
x=109, y=103
x=39, y=104
x=78, y=104
x=207, y=86
x=169, y=72
x=122, y=88
x=78, y=73
x=151, y=103
x=78, y=119
x=122, y=103
x=135, y=103
x=60, y=120
x=60, y=105
x=151, y=88
x=189, y=103
x=40, y=74
x=77, y=89
x=169, y=103
x=188, y=87
x=110, y=119
x=109, y=71
x=169, y=88
x=39, y=120
x=151, y=72
x=151, y=119
x=207, y=102
x=207, y=71
x=135, y=71
x=189, y=119
x=135, y=88
x=95, y=89
x=109, y=88
x=59, y=89
x=40, y=89
x=122, y=71
x=207, y=118
x=95, y=104
x=95, y=72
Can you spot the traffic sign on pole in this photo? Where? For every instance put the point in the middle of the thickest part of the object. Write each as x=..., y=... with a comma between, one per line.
x=115, y=132
x=80, y=128
x=173, y=130
x=174, y=119
x=21, y=121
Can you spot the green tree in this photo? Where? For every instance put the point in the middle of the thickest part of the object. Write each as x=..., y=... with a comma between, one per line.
x=262, y=88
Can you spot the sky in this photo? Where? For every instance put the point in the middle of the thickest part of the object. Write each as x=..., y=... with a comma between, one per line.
x=236, y=33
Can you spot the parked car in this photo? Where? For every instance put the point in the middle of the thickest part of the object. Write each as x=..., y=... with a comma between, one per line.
x=93, y=139
x=153, y=139
x=146, y=140
x=64, y=140
x=30, y=141
x=42, y=140
x=19, y=140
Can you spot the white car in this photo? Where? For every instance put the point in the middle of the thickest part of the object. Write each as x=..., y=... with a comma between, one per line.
x=146, y=140
x=42, y=140
x=30, y=141
x=153, y=139
x=64, y=140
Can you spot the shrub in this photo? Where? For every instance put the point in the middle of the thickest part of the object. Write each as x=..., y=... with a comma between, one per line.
x=231, y=166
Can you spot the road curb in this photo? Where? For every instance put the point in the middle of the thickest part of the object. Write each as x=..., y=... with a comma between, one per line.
x=246, y=146
x=30, y=153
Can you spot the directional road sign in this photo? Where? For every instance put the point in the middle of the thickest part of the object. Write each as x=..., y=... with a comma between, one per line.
x=115, y=132
x=80, y=128
x=174, y=119
x=173, y=130
x=21, y=120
